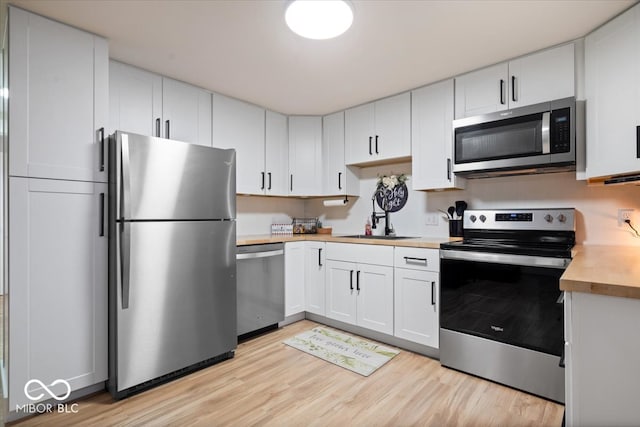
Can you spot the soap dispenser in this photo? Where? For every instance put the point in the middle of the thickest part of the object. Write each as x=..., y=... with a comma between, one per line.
x=367, y=228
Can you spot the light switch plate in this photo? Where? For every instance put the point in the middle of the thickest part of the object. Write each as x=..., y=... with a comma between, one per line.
x=433, y=219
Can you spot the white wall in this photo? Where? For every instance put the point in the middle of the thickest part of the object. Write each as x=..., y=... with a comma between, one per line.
x=596, y=207
x=255, y=214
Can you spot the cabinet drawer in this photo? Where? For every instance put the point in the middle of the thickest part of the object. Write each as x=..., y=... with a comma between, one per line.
x=363, y=254
x=417, y=258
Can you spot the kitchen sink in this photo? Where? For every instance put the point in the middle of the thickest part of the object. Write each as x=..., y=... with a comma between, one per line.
x=364, y=236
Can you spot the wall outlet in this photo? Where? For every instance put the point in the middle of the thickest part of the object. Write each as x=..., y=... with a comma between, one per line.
x=623, y=215
x=433, y=219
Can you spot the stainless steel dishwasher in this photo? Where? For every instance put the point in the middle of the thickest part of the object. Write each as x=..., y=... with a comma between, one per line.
x=260, y=281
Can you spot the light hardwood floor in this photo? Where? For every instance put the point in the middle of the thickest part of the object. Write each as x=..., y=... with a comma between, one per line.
x=271, y=384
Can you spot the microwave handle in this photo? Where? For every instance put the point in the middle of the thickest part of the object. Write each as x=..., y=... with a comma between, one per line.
x=546, y=141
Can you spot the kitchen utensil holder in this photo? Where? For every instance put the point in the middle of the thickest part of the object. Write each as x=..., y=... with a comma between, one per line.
x=455, y=228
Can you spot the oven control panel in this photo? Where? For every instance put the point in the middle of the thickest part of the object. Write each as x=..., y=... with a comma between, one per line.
x=520, y=219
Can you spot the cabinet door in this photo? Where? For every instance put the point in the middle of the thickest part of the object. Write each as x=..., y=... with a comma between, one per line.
x=186, y=110
x=542, y=77
x=276, y=154
x=416, y=306
x=314, y=277
x=58, y=102
x=294, y=278
x=305, y=155
x=483, y=91
x=374, y=289
x=338, y=179
x=359, y=129
x=58, y=285
x=135, y=100
x=612, y=88
x=392, y=139
x=432, y=138
x=341, y=291
x=239, y=125
x=604, y=381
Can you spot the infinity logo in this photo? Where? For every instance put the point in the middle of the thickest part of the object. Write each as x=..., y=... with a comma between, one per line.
x=47, y=389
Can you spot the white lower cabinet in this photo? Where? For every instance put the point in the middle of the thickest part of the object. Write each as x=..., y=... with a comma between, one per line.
x=57, y=286
x=602, y=349
x=294, y=275
x=314, y=277
x=417, y=295
x=359, y=293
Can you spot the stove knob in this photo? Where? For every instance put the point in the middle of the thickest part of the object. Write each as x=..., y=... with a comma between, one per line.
x=562, y=218
x=483, y=218
x=548, y=218
x=473, y=218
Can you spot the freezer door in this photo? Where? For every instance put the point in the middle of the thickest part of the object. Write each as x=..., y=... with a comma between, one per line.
x=180, y=297
x=160, y=179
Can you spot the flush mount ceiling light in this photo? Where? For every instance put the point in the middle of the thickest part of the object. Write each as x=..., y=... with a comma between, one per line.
x=319, y=19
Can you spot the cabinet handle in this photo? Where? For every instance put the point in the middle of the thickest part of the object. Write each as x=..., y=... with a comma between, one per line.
x=513, y=88
x=638, y=142
x=319, y=257
x=351, y=280
x=370, y=152
x=561, y=363
x=101, y=215
x=502, y=92
x=167, y=133
x=291, y=182
x=101, y=132
x=339, y=180
x=433, y=293
x=158, y=127
x=377, y=144
x=269, y=187
x=262, y=180
x=409, y=259
x=358, y=281
x=449, y=169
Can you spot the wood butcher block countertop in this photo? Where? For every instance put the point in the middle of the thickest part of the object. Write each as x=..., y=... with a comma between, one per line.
x=418, y=242
x=604, y=270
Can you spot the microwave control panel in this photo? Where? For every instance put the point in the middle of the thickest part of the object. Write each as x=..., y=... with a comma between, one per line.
x=561, y=131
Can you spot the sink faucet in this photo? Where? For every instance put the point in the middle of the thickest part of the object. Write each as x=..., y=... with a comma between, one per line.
x=375, y=216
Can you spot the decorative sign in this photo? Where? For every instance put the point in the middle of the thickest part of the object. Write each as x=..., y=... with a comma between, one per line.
x=393, y=200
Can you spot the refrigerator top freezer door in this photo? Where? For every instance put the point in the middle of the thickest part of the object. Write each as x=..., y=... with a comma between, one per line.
x=160, y=179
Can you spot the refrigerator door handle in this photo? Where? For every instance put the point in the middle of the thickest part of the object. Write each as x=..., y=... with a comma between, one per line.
x=125, y=209
x=125, y=262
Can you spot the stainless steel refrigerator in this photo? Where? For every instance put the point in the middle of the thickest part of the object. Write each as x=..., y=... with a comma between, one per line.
x=172, y=260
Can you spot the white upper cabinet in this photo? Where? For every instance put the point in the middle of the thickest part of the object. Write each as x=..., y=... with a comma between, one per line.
x=432, y=138
x=239, y=125
x=540, y=77
x=305, y=155
x=186, y=110
x=612, y=90
x=276, y=154
x=338, y=179
x=135, y=100
x=59, y=100
x=379, y=131
x=149, y=104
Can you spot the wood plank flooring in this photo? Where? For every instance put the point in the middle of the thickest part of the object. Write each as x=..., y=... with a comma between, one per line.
x=271, y=384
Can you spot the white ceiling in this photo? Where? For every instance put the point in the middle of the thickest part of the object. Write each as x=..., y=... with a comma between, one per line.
x=243, y=48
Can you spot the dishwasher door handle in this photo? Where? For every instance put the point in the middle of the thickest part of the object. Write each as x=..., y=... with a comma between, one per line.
x=266, y=254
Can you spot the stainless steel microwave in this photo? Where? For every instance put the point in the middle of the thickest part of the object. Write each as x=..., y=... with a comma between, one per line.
x=533, y=139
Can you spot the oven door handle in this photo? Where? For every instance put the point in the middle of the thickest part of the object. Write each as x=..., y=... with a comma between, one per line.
x=509, y=259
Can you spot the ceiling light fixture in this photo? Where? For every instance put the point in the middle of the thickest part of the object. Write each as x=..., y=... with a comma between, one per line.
x=319, y=19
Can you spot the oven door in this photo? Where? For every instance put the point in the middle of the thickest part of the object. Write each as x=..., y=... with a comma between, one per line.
x=513, y=299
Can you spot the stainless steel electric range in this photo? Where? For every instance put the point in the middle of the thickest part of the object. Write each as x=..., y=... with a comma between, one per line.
x=501, y=314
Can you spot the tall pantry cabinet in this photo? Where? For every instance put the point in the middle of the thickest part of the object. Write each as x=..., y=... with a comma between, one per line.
x=57, y=235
